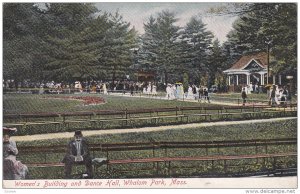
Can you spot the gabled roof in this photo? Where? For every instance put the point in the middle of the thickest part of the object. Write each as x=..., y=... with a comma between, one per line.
x=260, y=58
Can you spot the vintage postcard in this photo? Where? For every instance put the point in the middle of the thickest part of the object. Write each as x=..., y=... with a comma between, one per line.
x=148, y=95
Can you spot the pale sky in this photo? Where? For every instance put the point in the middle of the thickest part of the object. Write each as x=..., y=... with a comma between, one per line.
x=137, y=13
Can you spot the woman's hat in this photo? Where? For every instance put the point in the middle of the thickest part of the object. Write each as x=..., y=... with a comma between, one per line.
x=9, y=131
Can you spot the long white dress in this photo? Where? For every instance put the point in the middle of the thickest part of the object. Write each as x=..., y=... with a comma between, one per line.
x=168, y=92
x=179, y=91
x=149, y=89
x=190, y=94
x=104, y=89
x=173, y=92
x=277, y=96
x=154, y=92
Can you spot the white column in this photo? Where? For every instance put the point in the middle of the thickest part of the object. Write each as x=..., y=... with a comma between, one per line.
x=261, y=79
x=237, y=79
x=279, y=79
x=274, y=80
x=248, y=79
x=229, y=77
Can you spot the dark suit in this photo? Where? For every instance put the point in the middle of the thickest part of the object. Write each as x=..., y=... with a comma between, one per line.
x=71, y=154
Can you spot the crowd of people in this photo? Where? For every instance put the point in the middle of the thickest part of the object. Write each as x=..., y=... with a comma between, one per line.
x=253, y=88
x=176, y=91
x=277, y=95
x=173, y=91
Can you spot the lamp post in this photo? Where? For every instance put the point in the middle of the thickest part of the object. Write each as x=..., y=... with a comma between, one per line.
x=290, y=78
x=268, y=42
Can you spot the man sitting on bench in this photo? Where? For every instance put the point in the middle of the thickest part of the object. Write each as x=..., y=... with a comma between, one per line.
x=77, y=153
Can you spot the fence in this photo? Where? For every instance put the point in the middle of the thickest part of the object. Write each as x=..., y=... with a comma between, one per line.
x=56, y=122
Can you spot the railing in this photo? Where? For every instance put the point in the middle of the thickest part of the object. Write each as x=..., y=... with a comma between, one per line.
x=37, y=123
x=136, y=111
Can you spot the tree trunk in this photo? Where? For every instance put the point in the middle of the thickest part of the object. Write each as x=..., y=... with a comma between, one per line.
x=113, y=77
x=166, y=77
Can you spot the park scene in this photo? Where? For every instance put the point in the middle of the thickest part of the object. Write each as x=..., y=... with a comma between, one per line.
x=149, y=90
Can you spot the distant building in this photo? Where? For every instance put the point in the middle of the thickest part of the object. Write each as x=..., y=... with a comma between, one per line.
x=145, y=76
x=251, y=69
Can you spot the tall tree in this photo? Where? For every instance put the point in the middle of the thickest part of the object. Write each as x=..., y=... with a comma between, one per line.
x=148, y=44
x=117, y=47
x=216, y=64
x=160, y=45
x=199, y=41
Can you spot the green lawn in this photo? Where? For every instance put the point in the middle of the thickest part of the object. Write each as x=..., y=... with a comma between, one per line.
x=32, y=103
x=280, y=129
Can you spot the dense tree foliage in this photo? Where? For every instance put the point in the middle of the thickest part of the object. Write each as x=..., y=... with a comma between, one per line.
x=67, y=42
x=199, y=42
x=22, y=39
x=176, y=54
x=159, y=50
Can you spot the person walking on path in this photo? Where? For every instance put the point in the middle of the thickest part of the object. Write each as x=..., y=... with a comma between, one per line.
x=205, y=93
x=272, y=97
x=244, y=96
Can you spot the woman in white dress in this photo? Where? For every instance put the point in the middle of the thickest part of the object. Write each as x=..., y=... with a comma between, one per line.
x=168, y=92
x=190, y=94
x=144, y=90
x=173, y=91
x=154, y=92
x=179, y=91
x=277, y=95
x=149, y=88
x=104, y=89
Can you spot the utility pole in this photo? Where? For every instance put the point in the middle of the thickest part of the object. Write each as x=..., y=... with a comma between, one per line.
x=268, y=42
x=268, y=63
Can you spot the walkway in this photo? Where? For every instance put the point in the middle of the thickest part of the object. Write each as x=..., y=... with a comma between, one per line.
x=145, y=129
x=212, y=101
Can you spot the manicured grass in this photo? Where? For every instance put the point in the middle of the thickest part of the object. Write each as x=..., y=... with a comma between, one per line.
x=33, y=103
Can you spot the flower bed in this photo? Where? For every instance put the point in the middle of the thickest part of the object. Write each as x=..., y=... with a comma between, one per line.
x=87, y=100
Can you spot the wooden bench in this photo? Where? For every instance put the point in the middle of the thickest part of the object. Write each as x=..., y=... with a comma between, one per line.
x=154, y=120
x=169, y=160
x=174, y=116
x=24, y=125
x=45, y=165
x=199, y=115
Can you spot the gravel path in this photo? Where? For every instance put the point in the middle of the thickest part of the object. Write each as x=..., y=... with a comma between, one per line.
x=180, y=99
x=145, y=129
